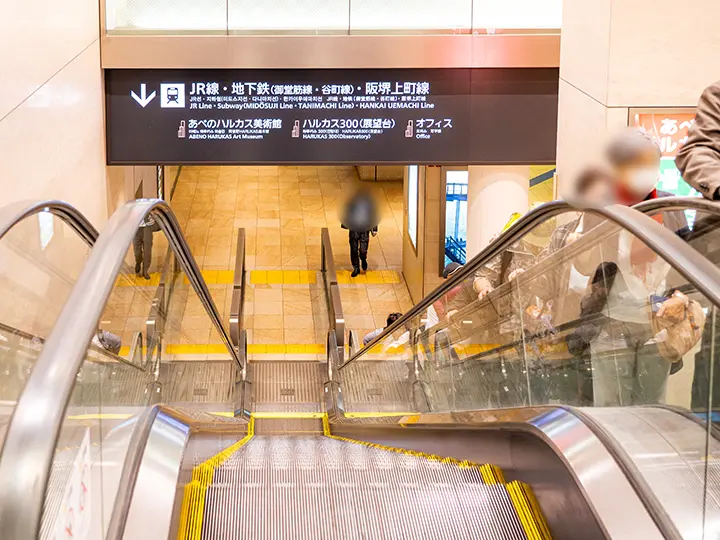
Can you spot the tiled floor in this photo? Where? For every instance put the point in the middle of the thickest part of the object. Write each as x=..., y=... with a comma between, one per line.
x=282, y=210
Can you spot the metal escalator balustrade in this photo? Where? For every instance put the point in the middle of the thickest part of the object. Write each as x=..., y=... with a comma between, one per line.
x=574, y=326
x=43, y=422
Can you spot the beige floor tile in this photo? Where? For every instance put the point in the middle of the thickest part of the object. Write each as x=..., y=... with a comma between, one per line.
x=385, y=308
x=296, y=295
x=266, y=336
x=356, y=307
x=268, y=308
x=267, y=321
x=265, y=294
x=265, y=240
x=297, y=308
x=300, y=336
x=298, y=321
x=268, y=257
x=353, y=322
x=381, y=293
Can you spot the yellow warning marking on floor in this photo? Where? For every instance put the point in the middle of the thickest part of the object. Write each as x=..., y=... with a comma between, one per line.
x=283, y=277
x=193, y=505
x=211, y=277
x=218, y=348
x=281, y=415
x=371, y=277
x=269, y=277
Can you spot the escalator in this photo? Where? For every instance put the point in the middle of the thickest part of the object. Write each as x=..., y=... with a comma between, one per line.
x=463, y=430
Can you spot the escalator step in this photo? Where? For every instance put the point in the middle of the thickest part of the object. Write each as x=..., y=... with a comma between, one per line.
x=309, y=486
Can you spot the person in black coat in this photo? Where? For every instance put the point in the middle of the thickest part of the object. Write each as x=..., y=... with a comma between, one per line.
x=360, y=218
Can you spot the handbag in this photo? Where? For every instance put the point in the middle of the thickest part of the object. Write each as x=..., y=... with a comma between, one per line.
x=675, y=339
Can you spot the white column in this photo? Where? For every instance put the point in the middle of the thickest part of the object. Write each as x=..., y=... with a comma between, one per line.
x=494, y=194
x=616, y=55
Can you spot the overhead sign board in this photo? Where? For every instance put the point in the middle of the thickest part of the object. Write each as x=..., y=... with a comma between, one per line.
x=468, y=116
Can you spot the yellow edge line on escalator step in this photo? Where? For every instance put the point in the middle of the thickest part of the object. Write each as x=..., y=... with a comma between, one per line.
x=193, y=505
x=489, y=473
x=378, y=415
x=528, y=511
x=535, y=512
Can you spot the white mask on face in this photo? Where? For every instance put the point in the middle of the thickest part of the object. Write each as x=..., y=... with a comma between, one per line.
x=643, y=181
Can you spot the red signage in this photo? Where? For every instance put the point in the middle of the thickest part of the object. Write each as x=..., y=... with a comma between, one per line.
x=670, y=130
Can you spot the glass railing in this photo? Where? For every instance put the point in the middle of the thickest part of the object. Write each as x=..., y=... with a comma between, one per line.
x=43, y=247
x=330, y=16
x=74, y=420
x=574, y=309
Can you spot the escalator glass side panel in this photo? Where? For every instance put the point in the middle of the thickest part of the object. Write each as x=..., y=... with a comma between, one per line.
x=82, y=401
x=701, y=449
x=41, y=260
x=578, y=313
x=195, y=367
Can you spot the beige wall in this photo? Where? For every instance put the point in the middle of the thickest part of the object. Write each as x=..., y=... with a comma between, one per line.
x=421, y=266
x=494, y=195
x=413, y=263
x=433, y=242
x=630, y=53
x=51, y=108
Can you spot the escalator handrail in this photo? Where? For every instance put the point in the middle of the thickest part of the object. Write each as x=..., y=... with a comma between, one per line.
x=33, y=432
x=668, y=204
x=134, y=457
x=116, y=357
x=684, y=259
x=237, y=302
x=14, y=213
x=332, y=291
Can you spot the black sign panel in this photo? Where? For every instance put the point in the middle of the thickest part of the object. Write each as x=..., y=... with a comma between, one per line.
x=436, y=116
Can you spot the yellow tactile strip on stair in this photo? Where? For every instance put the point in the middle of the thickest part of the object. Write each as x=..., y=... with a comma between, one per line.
x=193, y=505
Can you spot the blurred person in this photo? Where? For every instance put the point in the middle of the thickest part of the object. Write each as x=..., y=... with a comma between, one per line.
x=367, y=338
x=635, y=160
x=627, y=277
x=142, y=246
x=436, y=312
x=107, y=341
x=699, y=158
x=562, y=285
x=512, y=262
x=559, y=290
x=360, y=218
